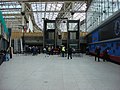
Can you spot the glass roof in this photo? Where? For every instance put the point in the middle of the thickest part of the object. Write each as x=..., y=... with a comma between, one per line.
x=10, y=7
x=80, y=7
x=47, y=10
x=50, y=10
x=10, y=11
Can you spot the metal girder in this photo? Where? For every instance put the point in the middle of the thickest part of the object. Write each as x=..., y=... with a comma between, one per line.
x=3, y=4
x=65, y=9
x=44, y=0
x=82, y=11
x=45, y=9
x=12, y=14
x=10, y=8
x=12, y=18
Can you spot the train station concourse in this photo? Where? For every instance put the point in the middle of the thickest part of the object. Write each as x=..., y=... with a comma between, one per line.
x=59, y=44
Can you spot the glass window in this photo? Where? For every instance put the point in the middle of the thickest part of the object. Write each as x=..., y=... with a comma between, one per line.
x=115, y=5
x=72, y=35
x=106, y=11
x=50, y=25
x=110, y=7
x=73, y=46
x=50, y=7
x=51, y=35
x=63, y=27
x=100, y=10
x=119, y=4
x=82, y=27
x=73, y=27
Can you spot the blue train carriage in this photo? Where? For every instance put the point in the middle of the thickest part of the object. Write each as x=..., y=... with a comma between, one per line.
x=106, y=35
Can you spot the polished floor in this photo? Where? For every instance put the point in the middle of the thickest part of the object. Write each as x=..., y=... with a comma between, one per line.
x=57, y=73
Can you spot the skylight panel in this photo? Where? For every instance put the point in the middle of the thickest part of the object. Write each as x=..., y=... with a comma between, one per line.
x=15, y=12
x=43, y=7
x=83, y=7
x=9, y=16
x=53, y=7
x=48, y=7
x=50, y=15
x=47, y=15
x=42, y=15
x=59, y=6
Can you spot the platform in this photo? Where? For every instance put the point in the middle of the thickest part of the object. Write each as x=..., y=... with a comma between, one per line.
x=57, y=73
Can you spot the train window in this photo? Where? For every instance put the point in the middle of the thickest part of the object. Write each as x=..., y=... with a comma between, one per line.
x=89, y=39
x=103, y=45
x=116, y=47
x=113, y=51
x=111, y=44
x=118, y=44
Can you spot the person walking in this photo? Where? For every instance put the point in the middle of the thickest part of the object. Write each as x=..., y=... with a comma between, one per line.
x=97, y=53
x=7, y=55
x=63, y=51
x=44, y=50
x=49, y=50
x=87, y=50
x=106, y=55
x=70, y=53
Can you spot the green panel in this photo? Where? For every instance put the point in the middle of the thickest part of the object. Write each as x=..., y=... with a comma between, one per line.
x=2, y=21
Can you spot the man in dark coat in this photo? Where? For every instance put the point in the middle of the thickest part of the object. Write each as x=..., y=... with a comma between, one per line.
x=106, y=55
x=97, y=53
x=70, y=53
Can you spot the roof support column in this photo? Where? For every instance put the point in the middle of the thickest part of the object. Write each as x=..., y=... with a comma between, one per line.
x=23, y=23
x=23, y=14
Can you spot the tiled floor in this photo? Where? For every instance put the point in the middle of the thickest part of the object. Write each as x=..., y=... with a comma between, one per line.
x=57, y=73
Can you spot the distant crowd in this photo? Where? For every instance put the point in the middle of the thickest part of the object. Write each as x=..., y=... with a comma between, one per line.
x=49, y=50
x=5, y=54
x=34, y=50
x=62, y=51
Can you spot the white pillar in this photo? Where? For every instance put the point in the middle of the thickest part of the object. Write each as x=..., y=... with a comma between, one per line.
x=21, y=46
x=23, y=18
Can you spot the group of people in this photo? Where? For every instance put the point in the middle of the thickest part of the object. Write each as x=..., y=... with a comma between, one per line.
x=34, y=50
x=5, y=54
x=61, y=50
x=105, y=54
x=69, y=52
x=100, y=54
x=50, y=50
